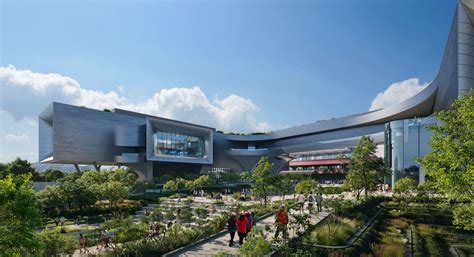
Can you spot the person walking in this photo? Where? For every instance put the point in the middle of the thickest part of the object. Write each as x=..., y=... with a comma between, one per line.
x=248, y=215
x=242, y=227
x=62, y=220
x=300, y=199
x=311, y=200
x=319, y=202
x=281, y=222
x=232, y=227
x=82, y=244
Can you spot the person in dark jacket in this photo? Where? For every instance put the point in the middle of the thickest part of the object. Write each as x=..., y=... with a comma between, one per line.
x=248, y=215
x=232, y=227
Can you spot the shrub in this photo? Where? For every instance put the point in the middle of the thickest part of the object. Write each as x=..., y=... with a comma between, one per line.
x=201, y=212
x=332, y=190
x=55, y=244
x=256, y=244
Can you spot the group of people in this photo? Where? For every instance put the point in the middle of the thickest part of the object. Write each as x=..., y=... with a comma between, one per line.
x=59, y=220
x=311, y=199
x=242, y=225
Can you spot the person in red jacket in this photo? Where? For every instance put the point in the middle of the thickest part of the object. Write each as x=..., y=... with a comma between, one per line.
x=242, y=227
x=281, y=222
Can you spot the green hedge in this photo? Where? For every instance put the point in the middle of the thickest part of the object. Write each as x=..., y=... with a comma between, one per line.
x=332, y=190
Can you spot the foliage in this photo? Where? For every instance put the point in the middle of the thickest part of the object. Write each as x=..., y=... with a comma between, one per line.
x=354, y=182
x=110, y=185
x=334, y=231
x=332, y=190
x=139, y=187
x=51, y=196
x=450, y=161
x=81, y=190
x=262, y=179
x=299, y=223
x=200, y=182
x=308, y=185
x=55, y=244
x=404, y=190
x=18, y=167
x=229, y=177
x=175, y=185
x=285, y=183
x=175, y=237
x=163, y=178
x=75, y=192
x=126, y=230
x=426, y=191
x=19, y=216
x=256, y=244
x=463, y=216
x=365, y=166
x=201, y=212
x=52, y=175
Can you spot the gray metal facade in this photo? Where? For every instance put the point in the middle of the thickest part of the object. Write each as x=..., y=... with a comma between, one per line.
x=70, y=134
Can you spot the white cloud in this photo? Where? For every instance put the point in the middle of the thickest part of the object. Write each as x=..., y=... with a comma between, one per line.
x=25, y=93
x=16, y=137
x=397, y=93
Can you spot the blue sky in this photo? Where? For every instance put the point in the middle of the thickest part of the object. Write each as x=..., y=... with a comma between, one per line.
x=287, y=62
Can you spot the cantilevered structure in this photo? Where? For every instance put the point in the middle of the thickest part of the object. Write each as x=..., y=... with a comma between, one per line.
x=152, y=145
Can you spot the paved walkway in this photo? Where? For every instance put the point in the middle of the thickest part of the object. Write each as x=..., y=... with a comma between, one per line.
x=220, y=244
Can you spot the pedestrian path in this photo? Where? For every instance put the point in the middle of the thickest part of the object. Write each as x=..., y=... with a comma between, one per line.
x=221, y=244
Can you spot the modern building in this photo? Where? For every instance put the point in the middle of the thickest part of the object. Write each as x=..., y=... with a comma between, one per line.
x=327, y=166
x=154, y=145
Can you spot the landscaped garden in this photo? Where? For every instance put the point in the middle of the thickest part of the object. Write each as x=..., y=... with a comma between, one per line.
x=133, y=218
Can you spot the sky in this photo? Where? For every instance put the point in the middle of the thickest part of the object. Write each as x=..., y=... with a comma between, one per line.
x=237, y=66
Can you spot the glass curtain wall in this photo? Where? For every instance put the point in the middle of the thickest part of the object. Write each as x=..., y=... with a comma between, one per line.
x=177, y=144
x=409, y=141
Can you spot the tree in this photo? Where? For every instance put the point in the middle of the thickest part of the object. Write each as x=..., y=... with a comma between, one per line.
x=19, y=216
x=426, y=191
x=109, y=185
x=53, y=175
x=77, y=192
x=176, y=185
x=51, y=196
x=463, y=216
x=367, y=167
x=3, y=170
x=56, y=244
x=19, y=166
x=170, y=185
x=229, y=177
x=404, y=189
x=204, y=181
x=262, y=179
x=354, y=183
x=450, y=162
x=285, y=183
x=163, y=178
x=307, y=185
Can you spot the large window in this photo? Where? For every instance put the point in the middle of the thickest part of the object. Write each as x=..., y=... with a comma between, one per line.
x=410, y=141
x=176, y=144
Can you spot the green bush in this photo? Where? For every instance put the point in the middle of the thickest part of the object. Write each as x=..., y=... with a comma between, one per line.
x=255, y=244
x=55, y=244
x=126, y=230
x=332, y=190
